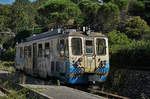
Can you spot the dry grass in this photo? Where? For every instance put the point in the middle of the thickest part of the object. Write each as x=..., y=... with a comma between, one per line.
x=7, y=66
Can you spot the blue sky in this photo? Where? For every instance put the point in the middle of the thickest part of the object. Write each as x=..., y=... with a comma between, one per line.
x=8, y=1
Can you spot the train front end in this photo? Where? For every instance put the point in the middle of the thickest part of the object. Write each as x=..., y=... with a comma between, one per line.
x=89, y=58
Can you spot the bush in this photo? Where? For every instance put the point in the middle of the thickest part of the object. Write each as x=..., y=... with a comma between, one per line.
x=115, y=37
x=109, y=17
x=59, y=11
x=121, y=3
x=134, y=55
x=8, y=55
x=136, y=28
x=137, y=7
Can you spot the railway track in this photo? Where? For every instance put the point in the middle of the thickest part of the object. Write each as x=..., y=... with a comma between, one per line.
x=95, y=90
x=83, y=88
x=4, y=90
x=107, y=95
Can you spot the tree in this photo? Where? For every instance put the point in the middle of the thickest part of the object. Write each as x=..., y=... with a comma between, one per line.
x=8, y=55
x=90, y=12
x=20, y=37
x=136, y=8
x=38, y=3
x=3, y=23
x=109, y=17
x=136, y=28
x=146, y=15
x=123, y=6
x=140, y=8
x=22, y=16
x=59, y=12
x=4, y=17
x=115, y=37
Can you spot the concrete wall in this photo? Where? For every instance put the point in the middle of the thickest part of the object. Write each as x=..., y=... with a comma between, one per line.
x=130, y=83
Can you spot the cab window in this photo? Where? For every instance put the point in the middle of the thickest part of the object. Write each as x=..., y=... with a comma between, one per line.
x=101, y=46
x=89, y=47
x=76, y=46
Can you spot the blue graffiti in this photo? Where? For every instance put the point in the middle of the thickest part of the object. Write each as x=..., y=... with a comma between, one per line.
x=74, y=69
x=104, y=70
x=83, y=78
x=75, y=80
x=102, y=78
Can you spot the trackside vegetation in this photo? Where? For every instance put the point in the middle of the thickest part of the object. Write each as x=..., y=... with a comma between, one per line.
x=125, y=22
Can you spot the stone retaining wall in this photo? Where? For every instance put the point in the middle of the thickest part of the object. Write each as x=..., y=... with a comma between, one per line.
x=129, y=83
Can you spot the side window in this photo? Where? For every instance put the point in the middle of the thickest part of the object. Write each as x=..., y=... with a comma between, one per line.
x=29, y=51
x=17, y=51
x=25, y=51
x=66, y=48
x=47, y=49
x=21, y=52
x=61, y=47
x=40, y=50
x=51, y=47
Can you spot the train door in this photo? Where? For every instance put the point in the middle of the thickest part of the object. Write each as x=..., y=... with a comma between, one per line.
x=76, y=51
x=35, y=58
x=89, y=55
x=47, y=58
x=102, y=55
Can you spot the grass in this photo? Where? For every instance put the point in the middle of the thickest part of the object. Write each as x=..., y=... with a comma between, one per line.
x=7, y=66
x=39, y=90
x=14, y=93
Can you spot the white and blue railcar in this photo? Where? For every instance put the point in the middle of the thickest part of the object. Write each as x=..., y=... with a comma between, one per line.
x=73, y=56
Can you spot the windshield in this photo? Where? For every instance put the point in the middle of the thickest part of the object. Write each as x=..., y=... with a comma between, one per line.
x=101, y=46
x=89, y=46
x=76, y=46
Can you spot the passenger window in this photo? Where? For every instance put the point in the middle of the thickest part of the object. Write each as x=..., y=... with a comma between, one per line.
x=51, y=47
x=62, y=47
x=25, y=51
x=52, y=66
x=21, y=52
x=40, y=50
x=29, y=51
x=101, y=46
x=47, y=49
x=76, y=46
x=66, y=48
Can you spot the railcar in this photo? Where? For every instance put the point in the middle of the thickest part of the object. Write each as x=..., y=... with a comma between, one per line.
x=70, y=55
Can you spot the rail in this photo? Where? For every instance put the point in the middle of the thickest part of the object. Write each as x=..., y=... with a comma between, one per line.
x=107, y=95
x=4, y=90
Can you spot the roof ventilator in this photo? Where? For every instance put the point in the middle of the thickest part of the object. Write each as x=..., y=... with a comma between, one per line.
x=86, y=30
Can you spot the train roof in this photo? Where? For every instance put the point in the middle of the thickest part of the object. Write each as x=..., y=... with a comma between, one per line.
x=67, y=32
x=58, y=33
